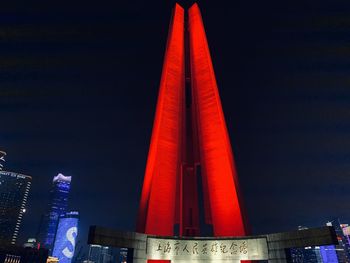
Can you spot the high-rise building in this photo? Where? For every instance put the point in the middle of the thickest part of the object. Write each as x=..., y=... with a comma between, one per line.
x=14, y=190
x=342, y=249
x=304, y=254
x=2, y=159
x=325, y=254
x=346, y=232
x=190, y=185
x=329, y=254
x=57, y=207
x=65, y=240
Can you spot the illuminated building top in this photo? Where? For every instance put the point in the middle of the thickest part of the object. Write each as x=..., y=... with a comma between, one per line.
x=62, y=178
x=2, y=159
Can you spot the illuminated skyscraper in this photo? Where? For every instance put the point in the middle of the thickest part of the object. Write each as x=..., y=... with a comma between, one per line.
x=57, y=207
x=342, y=249
x=14, y=190
x=2, y=159
x=65, y=240
x=304, y=254
x=326, y=254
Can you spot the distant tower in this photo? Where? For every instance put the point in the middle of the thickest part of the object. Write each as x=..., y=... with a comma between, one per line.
x=14, y=190
x=2, y=159
x=57, y=207
x=342, y=249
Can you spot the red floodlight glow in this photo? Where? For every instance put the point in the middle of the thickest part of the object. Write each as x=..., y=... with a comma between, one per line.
x=190, y=145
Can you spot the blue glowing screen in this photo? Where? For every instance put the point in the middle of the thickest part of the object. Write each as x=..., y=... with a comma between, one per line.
x=66, y=235
x=329, y=254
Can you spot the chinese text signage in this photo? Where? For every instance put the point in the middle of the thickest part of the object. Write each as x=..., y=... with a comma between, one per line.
x=207, y=249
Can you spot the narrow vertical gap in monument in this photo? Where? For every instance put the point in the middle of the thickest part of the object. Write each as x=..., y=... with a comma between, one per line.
x=190, y=213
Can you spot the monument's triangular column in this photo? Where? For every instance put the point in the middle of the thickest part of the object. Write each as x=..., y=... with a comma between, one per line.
x=158, y=198
x=190, y=146
x=218, y=168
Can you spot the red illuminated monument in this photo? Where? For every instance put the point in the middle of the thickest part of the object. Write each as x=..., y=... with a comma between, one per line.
x=190, y=173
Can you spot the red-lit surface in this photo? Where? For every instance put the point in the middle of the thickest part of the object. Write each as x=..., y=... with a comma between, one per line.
x=158, y=261
x=185, y=136
x=215, y=147
x=157, y=205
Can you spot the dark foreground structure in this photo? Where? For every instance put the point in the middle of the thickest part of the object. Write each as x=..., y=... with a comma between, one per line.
x=191, y=209
x=14, y=254
x=271, y=247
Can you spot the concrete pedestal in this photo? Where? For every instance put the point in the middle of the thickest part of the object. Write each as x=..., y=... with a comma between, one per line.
x=269, y=247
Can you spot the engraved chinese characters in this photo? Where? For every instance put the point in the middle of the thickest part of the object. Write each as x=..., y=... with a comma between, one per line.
x=205, y=249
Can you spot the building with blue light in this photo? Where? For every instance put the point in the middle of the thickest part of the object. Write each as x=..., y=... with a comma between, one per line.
x=339, y=253
x=57, y=208
x=65, y=240
x=342, y=250
x=306, y=254
x=329, y=254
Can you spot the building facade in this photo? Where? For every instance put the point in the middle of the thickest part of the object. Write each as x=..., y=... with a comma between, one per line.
x=14, y=190
x=57, y=207
x=343, y=248
x=65, y=239
x=303, y=255
x=339, y=253
x=2, y=159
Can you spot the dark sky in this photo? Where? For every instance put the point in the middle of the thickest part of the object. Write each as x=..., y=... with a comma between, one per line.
x=78, y=89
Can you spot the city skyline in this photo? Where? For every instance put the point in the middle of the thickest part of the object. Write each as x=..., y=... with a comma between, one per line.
x=72, y=104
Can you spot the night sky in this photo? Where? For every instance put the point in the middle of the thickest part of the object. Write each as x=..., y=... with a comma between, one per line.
x=78, y=89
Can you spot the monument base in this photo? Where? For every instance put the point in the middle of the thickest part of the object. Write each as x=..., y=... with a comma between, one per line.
x=157, y=249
